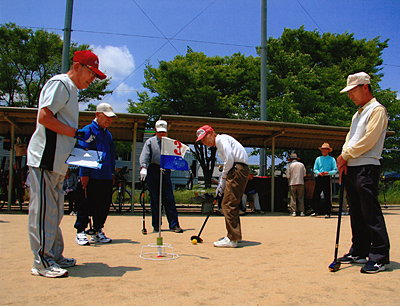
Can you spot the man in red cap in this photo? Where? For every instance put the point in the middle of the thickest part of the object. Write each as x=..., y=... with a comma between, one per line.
x=49, y=147
x=233, y=180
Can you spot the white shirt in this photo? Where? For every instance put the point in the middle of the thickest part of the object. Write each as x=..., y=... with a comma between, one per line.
x=295, y=173
x=230, y=151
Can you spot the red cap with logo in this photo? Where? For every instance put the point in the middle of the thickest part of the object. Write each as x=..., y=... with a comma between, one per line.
x=91, y=60
x=202, y=131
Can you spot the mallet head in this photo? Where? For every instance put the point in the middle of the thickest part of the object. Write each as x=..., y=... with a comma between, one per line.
x=144, y=231
x=334, y=266
x=199, y=240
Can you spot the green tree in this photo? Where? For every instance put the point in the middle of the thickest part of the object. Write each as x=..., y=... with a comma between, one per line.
x=307, y=71
x=28, y=60
x=224, y=87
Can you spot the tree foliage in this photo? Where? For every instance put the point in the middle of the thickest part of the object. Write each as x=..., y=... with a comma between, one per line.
x=224, y=87
x=28, y=60
x=306, y=71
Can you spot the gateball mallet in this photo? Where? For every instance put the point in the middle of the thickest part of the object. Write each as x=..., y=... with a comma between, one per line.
x=91, y=230
x=335, y=265
x=142, y=195
x=199, y=240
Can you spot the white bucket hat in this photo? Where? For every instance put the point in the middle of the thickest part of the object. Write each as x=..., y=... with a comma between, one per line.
x=356, y=79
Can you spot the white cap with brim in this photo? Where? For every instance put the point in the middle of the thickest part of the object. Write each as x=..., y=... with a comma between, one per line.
x=356, y=79
x=161, y=126
x=106, y=109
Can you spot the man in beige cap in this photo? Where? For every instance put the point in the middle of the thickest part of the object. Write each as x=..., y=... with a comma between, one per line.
x=324, y=169
x=360, y=163
x=295, y=173
x=98, y=183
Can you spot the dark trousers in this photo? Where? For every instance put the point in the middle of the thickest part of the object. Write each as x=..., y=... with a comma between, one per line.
x=370, y=237
x=322, y=184
x=168, y=200
x=96, y=205
x=72, y=197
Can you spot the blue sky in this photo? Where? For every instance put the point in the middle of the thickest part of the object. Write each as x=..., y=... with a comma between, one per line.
x=127, y=34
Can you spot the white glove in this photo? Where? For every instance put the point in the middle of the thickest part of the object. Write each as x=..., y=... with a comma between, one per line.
x=221, y=187
x=222, y=182
x=143, y=174
x=220, y=191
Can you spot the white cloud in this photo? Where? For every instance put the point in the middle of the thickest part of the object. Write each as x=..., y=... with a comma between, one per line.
x=115, y=62
x=125, y=91
x=119, y=105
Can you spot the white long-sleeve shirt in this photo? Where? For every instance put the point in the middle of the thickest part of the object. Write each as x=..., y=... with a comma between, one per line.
x=230, y=151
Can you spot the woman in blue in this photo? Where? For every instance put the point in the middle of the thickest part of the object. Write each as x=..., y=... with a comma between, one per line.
x=97, y=182
x=324, y=168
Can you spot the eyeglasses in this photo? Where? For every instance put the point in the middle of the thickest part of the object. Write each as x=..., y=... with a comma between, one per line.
x=354, y=89
x=88, y=68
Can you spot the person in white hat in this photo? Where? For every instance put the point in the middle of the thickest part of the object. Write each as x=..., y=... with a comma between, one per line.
x=295, y=173
x=360, y=167
x=150, y=160
x=324, y=168
x=97, y=183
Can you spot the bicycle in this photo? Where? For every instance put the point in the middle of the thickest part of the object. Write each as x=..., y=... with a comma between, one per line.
x=121, y=195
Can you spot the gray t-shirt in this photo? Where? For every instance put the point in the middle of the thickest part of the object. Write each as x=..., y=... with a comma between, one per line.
x=47, y=149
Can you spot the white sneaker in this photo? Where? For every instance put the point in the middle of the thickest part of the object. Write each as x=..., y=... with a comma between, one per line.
x=294, y=214
x=225, y=243
x=53, y=271
x=100, y=237
x=66, y=262
x=81, y=239
x=302, y=214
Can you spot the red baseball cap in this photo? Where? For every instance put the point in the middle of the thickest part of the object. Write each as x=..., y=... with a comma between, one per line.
x=202, y=131
x=91, y=60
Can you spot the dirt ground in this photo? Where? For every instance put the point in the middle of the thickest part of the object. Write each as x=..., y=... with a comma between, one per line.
x=283, y=260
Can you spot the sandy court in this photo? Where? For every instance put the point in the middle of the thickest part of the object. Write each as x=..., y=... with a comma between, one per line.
x=282, y=261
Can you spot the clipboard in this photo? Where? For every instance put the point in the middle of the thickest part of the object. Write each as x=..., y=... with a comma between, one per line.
x=86, y=158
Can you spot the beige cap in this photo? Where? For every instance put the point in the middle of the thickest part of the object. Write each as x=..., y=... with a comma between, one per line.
x=356, y=79
x=106, y=109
